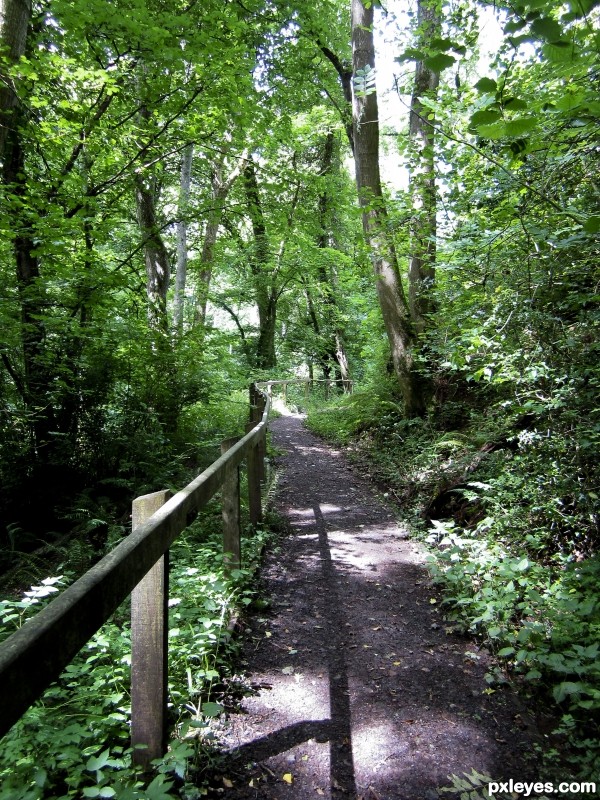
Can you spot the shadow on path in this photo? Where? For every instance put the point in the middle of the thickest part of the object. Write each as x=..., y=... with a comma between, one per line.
x=364, y=693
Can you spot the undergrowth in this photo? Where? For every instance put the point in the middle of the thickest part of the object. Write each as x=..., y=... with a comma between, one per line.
x=74, y=743
x=504, y=495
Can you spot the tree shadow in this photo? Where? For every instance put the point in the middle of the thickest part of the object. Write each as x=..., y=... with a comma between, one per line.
x=337, y=730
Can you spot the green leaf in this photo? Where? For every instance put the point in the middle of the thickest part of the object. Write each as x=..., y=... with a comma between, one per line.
x=159, y=789
x=592, y=224
x=566, y=689
x=212, y=709
x=439, y=62
x=495, y=131
x=560, y=52
x=485, y=117
x=515, y=104
x=506, y=651
x=533, y=675
x=485, y=85
x=411, y=54
x=98, y=762
x=519, y=126
x=514, y=25
x=547, y=28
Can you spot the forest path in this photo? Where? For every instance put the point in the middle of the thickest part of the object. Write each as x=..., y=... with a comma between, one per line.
x=361, y=690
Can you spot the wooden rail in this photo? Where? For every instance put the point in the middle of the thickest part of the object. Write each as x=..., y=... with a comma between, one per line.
x=347, y=385
x=36, y=654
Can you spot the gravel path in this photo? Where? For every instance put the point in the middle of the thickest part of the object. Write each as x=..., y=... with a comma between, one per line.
x=361, y=690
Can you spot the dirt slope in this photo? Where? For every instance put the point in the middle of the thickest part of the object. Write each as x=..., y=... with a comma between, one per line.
x=362, y=692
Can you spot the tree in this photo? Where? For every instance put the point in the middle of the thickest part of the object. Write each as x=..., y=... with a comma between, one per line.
x=14, y=20
x=221, y=180
x=182, y=225
x=422, y=190
x=392, y=299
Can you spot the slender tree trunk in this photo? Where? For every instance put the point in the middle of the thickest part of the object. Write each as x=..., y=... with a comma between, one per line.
x=156, y=257
x=336, y=348
x=14, y=20
x=182, y=225
x=163, y=393
x=37, y=372
x=220, y=188
x=421, y=272
x=392, y=300
x=266, y=295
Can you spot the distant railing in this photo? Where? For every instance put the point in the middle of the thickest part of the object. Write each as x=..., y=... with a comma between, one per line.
x=328, y=383
x=36, y=654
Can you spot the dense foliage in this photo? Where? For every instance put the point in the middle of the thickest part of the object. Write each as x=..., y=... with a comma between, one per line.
x=75, y=742
x=178, y=217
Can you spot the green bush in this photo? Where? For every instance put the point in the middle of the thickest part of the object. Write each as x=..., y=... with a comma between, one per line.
x=74, y=742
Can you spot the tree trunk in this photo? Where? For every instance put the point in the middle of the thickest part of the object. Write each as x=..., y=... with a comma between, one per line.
x=421, y=274
x=14, y=20
x=266, y=296
x=390, y=293
x=182, y=224
x=220, y=188
x=37, y=373
x=336, y=350
x=266, y=357
x=156, y=258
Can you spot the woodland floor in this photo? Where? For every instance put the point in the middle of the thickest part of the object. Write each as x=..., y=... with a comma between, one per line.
x=361, y=690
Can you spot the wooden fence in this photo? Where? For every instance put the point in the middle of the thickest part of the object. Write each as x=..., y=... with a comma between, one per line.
x=36, y=654
x=308, y=383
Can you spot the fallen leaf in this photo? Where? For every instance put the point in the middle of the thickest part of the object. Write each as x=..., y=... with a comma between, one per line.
x=397, y=663
x=227, y=783
x=268, y=634
x=288, y=670
x=288, y=777
x=320, y=792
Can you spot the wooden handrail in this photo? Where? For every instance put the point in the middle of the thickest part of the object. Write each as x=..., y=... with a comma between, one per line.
x=346, y=384
x=304, y=380
x=36, y=654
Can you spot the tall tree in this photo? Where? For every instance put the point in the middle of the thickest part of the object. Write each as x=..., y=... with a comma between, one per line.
x=182, y=245
x=222, y=179
x=422, y=189
x=335, y=348
x=14, y=20
x=266, y=291
x=390, y=292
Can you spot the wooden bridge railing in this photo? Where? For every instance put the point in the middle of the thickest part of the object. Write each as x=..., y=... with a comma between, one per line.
x=308, y=383
x=35, y=655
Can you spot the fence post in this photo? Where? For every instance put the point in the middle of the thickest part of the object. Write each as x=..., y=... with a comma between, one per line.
x=254, y=473
x=230, y=499
x=285, y=393
x=261, y=445
x=149, y=634
x=255, y=398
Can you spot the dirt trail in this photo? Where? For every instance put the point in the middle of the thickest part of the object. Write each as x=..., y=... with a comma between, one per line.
x=362, y=692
